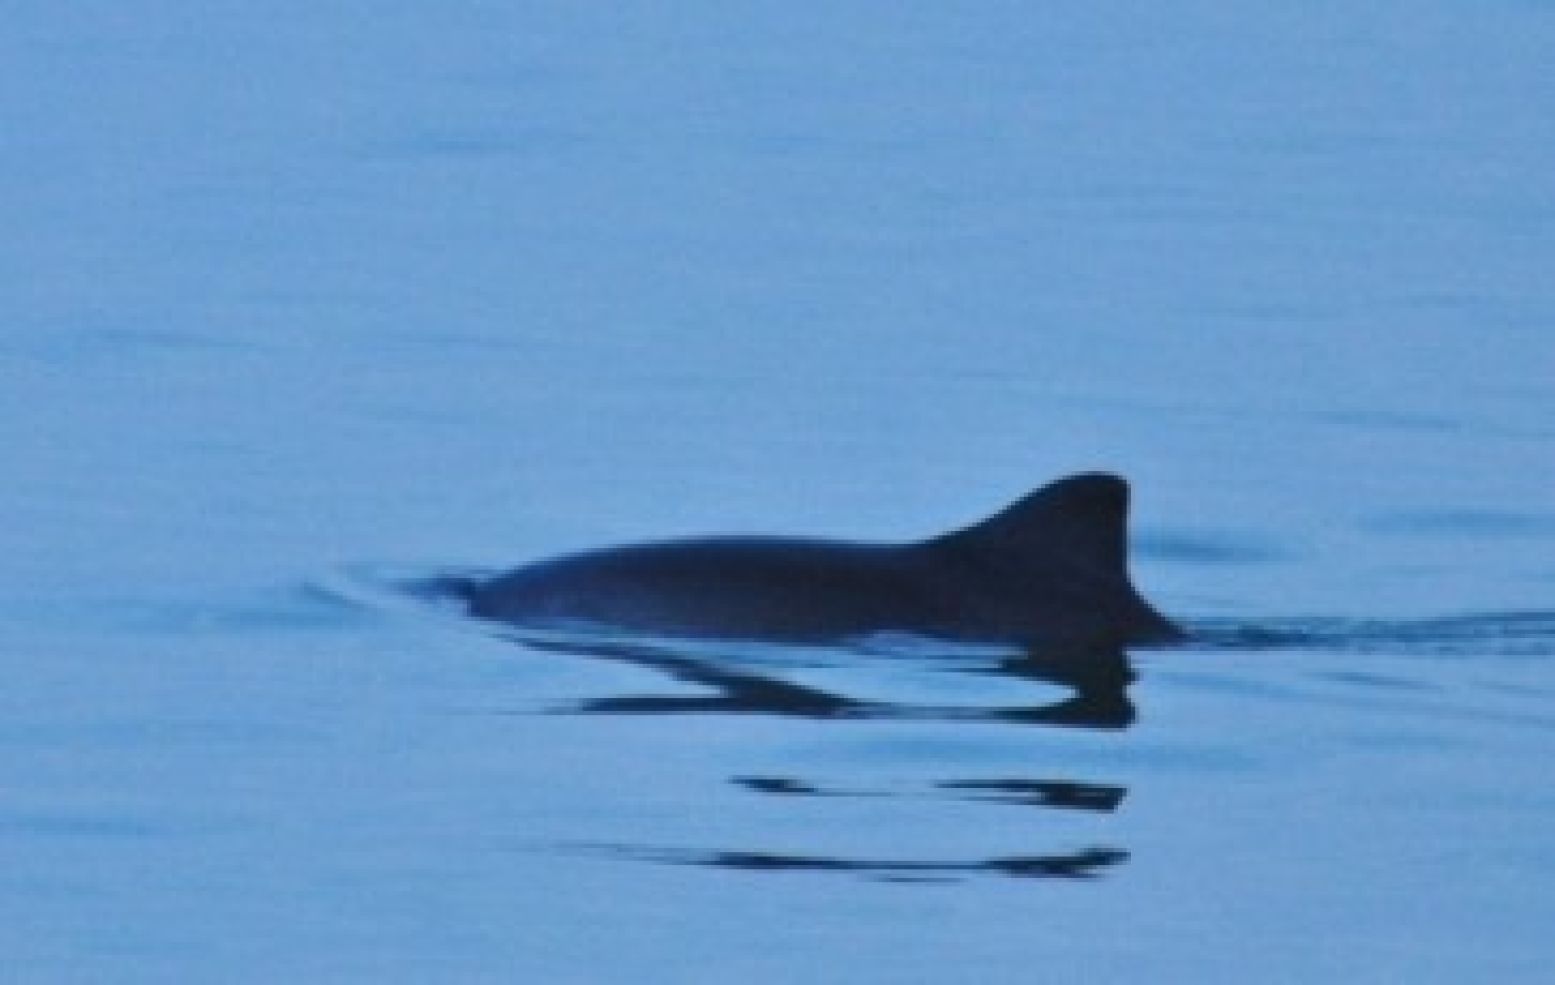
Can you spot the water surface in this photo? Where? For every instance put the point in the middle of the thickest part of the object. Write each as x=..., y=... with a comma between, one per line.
x=298, y=296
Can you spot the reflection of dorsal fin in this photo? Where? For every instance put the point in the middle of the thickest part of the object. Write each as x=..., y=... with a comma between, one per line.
x=1083, y=518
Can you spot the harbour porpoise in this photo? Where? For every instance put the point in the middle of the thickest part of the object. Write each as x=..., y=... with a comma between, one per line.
x=1048, y=571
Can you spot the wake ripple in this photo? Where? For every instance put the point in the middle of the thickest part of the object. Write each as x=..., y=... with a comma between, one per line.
x=1512, y=634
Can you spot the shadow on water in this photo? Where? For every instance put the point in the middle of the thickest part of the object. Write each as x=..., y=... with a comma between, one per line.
x=1078, y=865
x=1099, y=680
x=1029, y=793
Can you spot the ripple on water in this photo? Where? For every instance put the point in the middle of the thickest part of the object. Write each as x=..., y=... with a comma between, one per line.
x=868, y=740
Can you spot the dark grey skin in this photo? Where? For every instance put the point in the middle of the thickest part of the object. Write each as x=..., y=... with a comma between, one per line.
x=1048, y=571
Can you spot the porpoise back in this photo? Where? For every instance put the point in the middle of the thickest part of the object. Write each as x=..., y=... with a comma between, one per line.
x=1049, y=570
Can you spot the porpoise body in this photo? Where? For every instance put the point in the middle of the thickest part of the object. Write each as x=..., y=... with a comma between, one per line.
x=1050, y=570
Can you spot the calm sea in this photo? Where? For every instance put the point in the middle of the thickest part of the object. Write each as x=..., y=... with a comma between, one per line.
x=300, y=298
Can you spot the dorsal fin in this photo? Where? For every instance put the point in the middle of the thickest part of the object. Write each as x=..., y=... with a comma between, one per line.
x=1083, y=518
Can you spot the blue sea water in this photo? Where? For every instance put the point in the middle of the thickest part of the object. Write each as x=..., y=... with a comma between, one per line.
x=293, y=296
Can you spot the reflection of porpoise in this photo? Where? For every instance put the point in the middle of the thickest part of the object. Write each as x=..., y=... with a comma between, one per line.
x=1048, y=571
